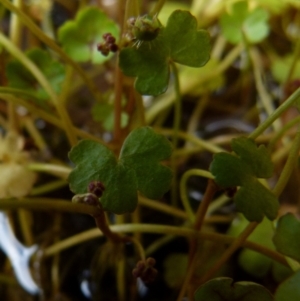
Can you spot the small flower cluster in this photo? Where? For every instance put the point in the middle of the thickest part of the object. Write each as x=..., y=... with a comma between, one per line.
x=145, y=270
x=95, y=191
x=109, y=44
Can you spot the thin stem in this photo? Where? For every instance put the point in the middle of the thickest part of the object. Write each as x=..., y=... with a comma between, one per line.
x=183, y=189
x=47, y=204
x=157, y=8
x=195, y=140
x=289, y=166
x=46, y=116
x=276, y=114
x=159, y=206
x=262, y=92
x=168, y=99
x=160, y=229
x=187, y=278
x=49, y=42
x=281, y=132
x=34, y=133
x=40, y=77
x=236, y=244
x=101, y=222
x=48, y=187
x=296, y=53
x=58, y=170
x=18, y=92
x=210, y=191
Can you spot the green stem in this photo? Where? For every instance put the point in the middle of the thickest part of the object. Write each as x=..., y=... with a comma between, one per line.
x=168, y=99
x=276, y=114
x=291, y=163
x=46, y=116
x=157, y=8
x=50, y=186
x=58, y=170
x=160, y=229
x=49, y=42
x=264, y=96
x=282, y=131
x=296, y=53
x=195, y=140
x=210, y=191
x=183, y=189
x=40, y=77
x=236, y=244
x=47, y=204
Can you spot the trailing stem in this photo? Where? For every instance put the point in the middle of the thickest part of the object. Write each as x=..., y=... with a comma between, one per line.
x=211, y=189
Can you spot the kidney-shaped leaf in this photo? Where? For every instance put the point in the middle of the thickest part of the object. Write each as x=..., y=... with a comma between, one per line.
x=20, y=77
x=138, y=168
x=242, y=169
x=180, y=42
x=287, y=236
x=79, y=37
x=289, y=290
x=223, y=289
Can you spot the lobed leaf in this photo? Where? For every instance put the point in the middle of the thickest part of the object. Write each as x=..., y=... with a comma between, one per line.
x=242, y=169
x=79, y=37
x=289, y=290
x=180, y=42
x=287, y=234
x=187, y=45
x=20, y=77
x=241, y=21
x=258, y=158
x=137, y=169
x=223, y=289
x=256, y=201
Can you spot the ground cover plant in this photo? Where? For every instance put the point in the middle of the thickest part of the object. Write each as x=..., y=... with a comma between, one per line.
x=149, y=151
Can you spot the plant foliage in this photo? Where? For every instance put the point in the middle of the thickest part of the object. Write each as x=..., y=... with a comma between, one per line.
x=243, y=169
x=287, y=234
x=138, y=168
x=20, y=77
x=242, y=23
x=80, y=37
x=179, y=41
x=223, y=289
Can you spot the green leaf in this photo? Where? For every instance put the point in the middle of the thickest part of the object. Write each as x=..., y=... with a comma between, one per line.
x=229, y=170
x=255, y=263
x=250, y=162
x=258, y=158
x=79, y=37
x=253, y=24
x=180, y=42
x=137, y=169
x=281, y=67
x=223, y=289
x=19, y=77
x=287, y=236
x=187, y=45
x=150, y=67
x=256, y=201
x=289, y=290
